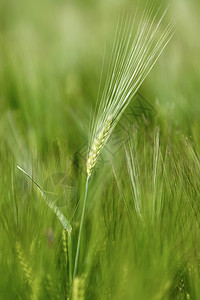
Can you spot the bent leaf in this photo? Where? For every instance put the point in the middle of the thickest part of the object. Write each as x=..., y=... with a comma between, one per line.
x=63, y=220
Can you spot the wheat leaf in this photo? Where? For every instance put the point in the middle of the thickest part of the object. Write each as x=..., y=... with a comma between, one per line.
x=63, y=220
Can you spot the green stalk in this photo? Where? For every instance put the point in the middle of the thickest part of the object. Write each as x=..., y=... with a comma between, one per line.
x=70, y=260
x=81, y=227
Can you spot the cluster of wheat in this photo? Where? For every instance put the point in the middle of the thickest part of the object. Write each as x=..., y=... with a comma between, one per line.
x=136, y=48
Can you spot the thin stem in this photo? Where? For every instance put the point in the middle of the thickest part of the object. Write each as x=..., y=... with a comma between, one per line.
x=80, y=230
x=70, y=258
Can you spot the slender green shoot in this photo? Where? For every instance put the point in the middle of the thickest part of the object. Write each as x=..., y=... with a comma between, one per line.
x=63, y=220
x=80, y=230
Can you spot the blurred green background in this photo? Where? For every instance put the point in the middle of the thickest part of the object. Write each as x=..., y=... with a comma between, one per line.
x=51, y=55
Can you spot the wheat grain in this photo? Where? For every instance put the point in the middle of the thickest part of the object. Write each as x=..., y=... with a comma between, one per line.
x=98, y=144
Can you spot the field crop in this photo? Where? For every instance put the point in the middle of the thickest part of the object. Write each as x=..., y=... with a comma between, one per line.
x=99, y=163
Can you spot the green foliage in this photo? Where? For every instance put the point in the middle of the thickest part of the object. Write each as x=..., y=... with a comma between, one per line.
x=50, y=62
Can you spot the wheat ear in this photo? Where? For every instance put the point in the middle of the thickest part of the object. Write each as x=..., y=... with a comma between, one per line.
x=98, y=145
x=134, y=54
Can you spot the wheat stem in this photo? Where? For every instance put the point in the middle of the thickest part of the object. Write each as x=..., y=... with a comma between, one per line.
x=70, y=258
x=80, y=230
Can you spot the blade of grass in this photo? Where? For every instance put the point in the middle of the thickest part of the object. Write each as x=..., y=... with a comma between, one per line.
x=63, y=220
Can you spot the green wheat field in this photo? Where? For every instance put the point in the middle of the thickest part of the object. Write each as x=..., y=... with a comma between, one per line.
x=99, y=163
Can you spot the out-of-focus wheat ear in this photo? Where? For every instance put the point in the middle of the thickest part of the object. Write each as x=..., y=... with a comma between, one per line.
x=36, y=287
x=33, y=281
x=78, y=292
x=24, y=264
